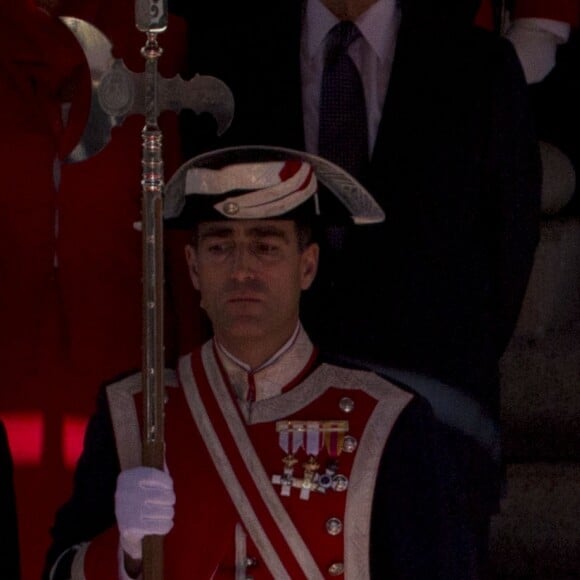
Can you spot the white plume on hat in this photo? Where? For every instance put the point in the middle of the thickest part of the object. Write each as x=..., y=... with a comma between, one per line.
x=275, y=187
x=259, y=181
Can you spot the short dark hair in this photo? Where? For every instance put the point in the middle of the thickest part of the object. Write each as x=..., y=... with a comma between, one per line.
x=305, y=233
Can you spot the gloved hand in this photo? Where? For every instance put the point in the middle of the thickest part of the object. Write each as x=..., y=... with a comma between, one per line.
x=144, y=502
x=536, y=41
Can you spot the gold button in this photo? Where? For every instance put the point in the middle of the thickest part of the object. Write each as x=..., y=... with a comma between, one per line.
x=336, y=569
x=349, y=444
x=231, y=208
x=346, y=404
x=334, y=526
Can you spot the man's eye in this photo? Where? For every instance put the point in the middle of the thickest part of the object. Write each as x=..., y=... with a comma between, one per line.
x=266, y=249
x=218, y=249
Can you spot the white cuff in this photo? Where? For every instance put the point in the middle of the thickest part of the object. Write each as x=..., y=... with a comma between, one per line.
x=58, y=560
x=559, y=29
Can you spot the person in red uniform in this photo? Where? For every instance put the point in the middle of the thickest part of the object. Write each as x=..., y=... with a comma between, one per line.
x=546, y=39
x=536, y=29
x=70, y=264
x=278, y=464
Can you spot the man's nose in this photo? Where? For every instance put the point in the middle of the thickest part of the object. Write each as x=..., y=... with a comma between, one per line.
x=243, y=263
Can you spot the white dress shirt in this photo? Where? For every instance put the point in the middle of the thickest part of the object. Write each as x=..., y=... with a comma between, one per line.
x=372, y=53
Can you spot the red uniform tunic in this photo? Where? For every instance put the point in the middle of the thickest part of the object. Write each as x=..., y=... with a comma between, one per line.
x=225, y=455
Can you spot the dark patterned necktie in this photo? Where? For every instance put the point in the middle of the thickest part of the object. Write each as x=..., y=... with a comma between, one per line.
x=343, y=132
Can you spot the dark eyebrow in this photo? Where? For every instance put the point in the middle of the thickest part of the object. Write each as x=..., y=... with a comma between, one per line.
x=268, y=231
x=225, y=230
x=215, y=230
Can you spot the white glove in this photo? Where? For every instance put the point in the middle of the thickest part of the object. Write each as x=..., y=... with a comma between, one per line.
x=536, y=41
x=144, y=502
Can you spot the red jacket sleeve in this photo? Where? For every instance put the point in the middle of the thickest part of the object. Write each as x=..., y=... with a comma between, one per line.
x=562, y=10
x=100, y=560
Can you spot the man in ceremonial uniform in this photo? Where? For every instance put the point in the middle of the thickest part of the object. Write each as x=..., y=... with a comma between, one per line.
x=278, y=464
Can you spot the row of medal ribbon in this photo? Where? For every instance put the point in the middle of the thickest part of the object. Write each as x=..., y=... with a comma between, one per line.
x=312, y=436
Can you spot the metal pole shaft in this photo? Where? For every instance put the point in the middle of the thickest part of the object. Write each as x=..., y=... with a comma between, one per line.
x=153, y=302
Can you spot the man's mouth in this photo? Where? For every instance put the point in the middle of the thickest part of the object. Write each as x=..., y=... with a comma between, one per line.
x=244, y=298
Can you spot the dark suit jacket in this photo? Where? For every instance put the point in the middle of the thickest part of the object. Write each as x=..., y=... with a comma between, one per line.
x=437, y=287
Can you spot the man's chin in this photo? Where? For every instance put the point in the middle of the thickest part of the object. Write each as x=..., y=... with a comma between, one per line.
x=245, y=325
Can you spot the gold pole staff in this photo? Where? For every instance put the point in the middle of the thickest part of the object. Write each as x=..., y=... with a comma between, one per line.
x=151, y=18
x=202, y=93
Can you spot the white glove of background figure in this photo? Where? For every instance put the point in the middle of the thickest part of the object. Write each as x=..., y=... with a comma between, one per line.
x=144, y=502
x=536, y=41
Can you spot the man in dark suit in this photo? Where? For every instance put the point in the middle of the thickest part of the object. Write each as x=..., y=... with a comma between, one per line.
x=453, y=160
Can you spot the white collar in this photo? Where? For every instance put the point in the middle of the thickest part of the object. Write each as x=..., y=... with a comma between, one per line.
x=270, y=378
x=378, y=24
x=286, y=346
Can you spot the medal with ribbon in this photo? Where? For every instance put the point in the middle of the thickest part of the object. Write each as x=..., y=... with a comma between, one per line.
x=312, y=436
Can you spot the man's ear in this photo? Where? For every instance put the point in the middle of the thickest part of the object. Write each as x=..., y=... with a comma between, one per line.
x=191, y=257
x=309, y=264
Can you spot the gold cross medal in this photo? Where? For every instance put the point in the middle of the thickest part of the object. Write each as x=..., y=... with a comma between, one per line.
x=290, y=442
x=312, y=436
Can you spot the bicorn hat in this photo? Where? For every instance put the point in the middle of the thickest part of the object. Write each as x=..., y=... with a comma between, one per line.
x=260, y=182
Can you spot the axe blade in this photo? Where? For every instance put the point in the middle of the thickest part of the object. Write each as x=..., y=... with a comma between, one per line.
x=201, y=94
x=117, y=92
x=98, y=52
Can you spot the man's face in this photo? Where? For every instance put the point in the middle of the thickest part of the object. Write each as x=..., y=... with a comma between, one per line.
x=250, y=274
